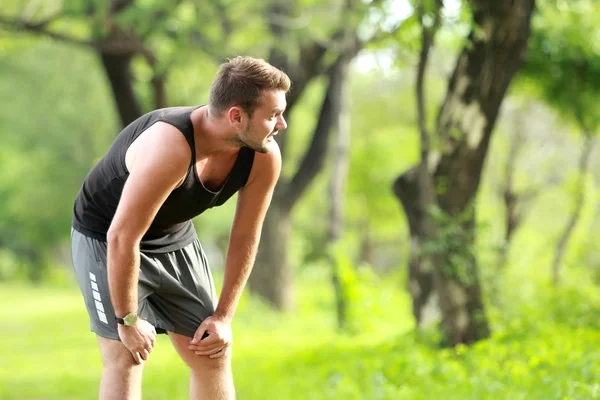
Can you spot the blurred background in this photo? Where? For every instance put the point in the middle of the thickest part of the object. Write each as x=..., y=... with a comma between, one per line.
x=434, y=231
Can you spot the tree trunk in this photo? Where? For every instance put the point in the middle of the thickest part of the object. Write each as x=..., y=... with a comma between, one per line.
x=513, y=202
x=366, y=243
x=483, y=72
x=510, y=196
x=576, y=214
x=312, y=58
x=158, y=88
x=457, y=285
x=37, y=266
x=273, y=266
x=337, y=190
x=118, y=71
x=517, y=203
x=271, y=275
x=420, y=268
x=420, y=198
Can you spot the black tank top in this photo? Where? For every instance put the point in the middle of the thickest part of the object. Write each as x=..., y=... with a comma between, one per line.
x=172, y=228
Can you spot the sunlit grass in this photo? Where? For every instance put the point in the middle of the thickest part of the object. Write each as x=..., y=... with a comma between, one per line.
x=544, y=349
x=48, y=352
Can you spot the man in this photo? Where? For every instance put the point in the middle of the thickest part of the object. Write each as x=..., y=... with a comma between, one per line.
x=135, y=252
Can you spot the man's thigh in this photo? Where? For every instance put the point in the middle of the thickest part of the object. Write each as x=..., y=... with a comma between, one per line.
x=186, y=294
x=175, y=289
x=90, y=265
x=201, y=364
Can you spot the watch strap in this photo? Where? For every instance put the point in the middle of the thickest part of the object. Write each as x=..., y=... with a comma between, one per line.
x=128, y=316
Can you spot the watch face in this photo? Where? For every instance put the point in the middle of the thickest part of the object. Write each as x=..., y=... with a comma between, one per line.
x=130, y=319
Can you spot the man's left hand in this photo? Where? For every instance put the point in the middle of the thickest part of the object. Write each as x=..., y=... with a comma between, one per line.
x=217, y=337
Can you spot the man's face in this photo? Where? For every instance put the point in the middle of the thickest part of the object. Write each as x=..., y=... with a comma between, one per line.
x=266, y=121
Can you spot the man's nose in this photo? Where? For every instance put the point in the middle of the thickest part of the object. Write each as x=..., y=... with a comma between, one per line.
x=281, y=123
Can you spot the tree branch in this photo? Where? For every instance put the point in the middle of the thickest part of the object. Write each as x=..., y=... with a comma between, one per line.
x=579, y=197
x=111, y=46
x=45, y=22
x=119, y=5
x=213, y=49
x=345, y=45
x=225, y=20
x=427, y=37
x=315, y=156
x=158, y=18
x=38, y=28
x=215, y=52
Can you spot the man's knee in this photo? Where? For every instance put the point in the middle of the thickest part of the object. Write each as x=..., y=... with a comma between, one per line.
x=200, y=364
x=116, y=357
x=204, y=364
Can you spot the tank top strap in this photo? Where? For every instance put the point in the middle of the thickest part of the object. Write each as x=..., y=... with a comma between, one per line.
x=241, y=171
x=182, y=121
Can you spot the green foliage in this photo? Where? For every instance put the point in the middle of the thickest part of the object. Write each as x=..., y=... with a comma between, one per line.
x=382, y=145
x=9, y=265
x=349, y=287
x=186, y=39
x=543, y=349
x=359, y=289
x=54, y=126
x=454, y=243
x=563, y=61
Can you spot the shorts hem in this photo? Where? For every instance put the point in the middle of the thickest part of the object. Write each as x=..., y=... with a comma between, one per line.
x=106, y=335
x=159, y=330
x=183, y=332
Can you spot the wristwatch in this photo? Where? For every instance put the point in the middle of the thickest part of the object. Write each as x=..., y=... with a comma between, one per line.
x=128, y=320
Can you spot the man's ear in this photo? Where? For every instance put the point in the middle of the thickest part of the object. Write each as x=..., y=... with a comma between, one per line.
x=236, y=116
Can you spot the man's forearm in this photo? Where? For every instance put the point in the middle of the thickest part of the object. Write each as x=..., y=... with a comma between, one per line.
x=123, y=270
x=238, y=265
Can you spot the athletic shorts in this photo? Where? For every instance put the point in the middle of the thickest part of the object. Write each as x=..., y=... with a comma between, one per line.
x=175, y=289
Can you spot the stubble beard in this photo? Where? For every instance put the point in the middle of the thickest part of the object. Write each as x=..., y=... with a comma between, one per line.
x=262, y=148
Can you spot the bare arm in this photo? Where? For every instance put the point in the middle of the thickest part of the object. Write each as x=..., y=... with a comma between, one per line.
x=161, y=160
x=252, y=205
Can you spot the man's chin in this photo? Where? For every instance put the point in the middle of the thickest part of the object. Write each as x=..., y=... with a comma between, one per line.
x=259, y=149
x=264, y=149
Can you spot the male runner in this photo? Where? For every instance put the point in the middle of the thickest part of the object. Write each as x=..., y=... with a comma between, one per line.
x=135, y=251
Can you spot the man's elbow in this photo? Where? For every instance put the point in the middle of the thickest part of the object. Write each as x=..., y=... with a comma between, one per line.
x=119, y=238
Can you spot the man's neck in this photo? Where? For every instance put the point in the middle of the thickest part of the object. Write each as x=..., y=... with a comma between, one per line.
x=211, y=134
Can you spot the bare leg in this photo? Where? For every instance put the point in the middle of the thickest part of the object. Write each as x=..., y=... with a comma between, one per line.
x=211, y=378
x=121, y=376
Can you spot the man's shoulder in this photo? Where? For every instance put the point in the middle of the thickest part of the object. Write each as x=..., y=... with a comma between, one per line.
x=273, y=153
x=268, y=164
x=164, y=134
x=163, y=141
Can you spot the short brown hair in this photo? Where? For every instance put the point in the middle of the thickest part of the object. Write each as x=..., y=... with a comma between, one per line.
x=241, y=81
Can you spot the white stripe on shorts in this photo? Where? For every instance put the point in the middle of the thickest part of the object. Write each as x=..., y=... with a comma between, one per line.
x=98, y=299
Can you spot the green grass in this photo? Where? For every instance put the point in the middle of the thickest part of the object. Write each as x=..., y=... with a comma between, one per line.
x=547, y=349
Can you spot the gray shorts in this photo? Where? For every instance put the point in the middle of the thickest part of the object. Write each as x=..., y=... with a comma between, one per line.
x=175, y=290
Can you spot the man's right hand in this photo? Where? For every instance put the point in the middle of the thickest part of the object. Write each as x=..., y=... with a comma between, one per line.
x=139, y=339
